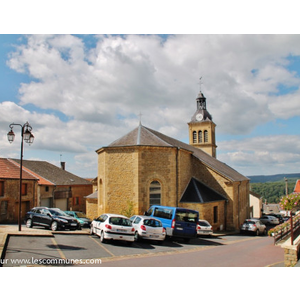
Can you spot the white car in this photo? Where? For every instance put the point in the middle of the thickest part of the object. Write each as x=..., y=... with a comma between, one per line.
x=254, y=226
x=204, y=228
x=148, y=228
x=113, y=227
x=269, y=220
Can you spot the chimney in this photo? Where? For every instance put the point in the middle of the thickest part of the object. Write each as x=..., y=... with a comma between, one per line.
x=63, y=165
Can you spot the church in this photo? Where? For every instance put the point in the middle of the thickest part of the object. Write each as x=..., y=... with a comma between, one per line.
x=146, y=167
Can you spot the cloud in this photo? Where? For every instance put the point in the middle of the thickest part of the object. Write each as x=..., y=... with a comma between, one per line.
x=262, y=155
x=103, y=89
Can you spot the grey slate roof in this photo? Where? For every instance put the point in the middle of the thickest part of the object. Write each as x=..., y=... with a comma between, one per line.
x=143, y=136
x=197, y=192
x=53, y=173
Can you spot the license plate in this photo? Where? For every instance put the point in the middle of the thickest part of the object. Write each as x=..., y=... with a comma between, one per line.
x=121, y=230
x=154, y=236
x=73, y=224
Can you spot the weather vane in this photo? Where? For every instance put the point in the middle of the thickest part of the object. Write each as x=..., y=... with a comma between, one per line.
x=200, y=83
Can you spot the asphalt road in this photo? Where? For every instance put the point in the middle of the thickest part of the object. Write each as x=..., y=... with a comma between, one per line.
x=86, y=250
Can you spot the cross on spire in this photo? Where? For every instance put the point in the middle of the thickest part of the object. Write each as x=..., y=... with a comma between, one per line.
x=200, y=83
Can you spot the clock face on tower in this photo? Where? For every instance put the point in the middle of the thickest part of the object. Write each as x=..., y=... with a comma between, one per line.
x=199, y=117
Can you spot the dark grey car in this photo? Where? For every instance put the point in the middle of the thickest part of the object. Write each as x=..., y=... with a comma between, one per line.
x=52, y=218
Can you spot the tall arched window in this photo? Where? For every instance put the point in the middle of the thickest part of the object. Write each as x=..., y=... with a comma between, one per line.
x=194, y=137
x=205, y=136
x=199, y=136
x=155, y=193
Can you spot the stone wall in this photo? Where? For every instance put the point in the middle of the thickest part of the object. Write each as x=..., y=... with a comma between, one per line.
x=125, y=175
x=9, y=203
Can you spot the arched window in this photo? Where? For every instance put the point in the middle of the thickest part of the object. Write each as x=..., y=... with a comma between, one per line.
x=194, y=137
x=199, y=136
x=205, y=136
x=155, y=193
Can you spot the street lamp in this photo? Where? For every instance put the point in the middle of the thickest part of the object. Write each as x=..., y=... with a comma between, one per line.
x=28, y=137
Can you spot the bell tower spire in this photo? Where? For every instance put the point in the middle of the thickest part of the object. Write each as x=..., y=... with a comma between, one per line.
x=202, y=128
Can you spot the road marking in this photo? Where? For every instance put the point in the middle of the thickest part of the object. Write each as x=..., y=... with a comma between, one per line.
x=61, y=254
x=100, y=244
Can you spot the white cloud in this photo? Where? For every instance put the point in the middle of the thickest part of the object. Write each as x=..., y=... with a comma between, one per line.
x=102, y=90
x=262, y=155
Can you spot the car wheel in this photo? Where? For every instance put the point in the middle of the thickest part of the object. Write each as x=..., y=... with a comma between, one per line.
x=265, y=231
x=29, y=223
x=91, y=230
x=136, y=236
x=54, y=226
x=257, y=232
x=102, y=239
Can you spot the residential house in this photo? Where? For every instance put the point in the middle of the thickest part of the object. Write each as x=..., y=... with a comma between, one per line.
x=51, y=186
x=10, y=191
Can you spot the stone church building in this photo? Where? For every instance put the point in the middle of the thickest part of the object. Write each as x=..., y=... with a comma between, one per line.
x=146, y=167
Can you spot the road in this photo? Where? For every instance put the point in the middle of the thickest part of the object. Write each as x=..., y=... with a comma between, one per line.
x=253, y=252
x=86, y=250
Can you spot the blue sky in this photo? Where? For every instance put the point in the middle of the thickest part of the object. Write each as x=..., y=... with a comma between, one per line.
x=82, y=92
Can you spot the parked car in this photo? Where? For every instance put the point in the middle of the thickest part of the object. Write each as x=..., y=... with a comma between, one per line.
x=278, y=216
x=113, y=227
x=84, y=221
x=269, y=220
x=204, y=228
x=254, y=226
x=52, y=218
x=148, y=228
x=179, y=222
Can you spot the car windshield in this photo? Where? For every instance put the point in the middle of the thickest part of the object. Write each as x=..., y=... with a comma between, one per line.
x=80, y=214
x=186, y=216
x=152, y=223
x=249, y=222
x=58, y=213
x=119, y=221
x=203, y=223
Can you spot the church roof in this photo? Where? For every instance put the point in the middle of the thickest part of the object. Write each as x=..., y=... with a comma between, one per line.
x=197, y=192
x=143, y=136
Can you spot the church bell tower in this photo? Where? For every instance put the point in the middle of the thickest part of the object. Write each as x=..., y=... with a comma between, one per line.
x=202, y=128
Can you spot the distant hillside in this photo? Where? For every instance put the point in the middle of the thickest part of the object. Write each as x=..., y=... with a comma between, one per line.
x=272, y=188
x=273, y=178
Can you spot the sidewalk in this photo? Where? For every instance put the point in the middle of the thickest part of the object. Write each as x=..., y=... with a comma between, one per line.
x=13, y=230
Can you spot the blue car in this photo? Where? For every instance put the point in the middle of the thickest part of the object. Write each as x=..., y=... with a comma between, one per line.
x=81, y=218
x=179, y=222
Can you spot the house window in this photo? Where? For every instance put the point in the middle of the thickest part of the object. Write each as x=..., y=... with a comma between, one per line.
x=76, y=201
x=205, y=136
x=155, y=193
x=46, y=188
x=1, y=188
x=24, y=189
x=200, y=136
x=216, y=214
x=194, y=137
x=3, y=208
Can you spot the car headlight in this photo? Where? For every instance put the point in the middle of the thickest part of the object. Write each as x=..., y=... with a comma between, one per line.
x=62, y=220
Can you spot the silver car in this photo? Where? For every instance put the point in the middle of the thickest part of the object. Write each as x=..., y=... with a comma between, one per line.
x=269, y=220
x=148, y=228
x=254, y=226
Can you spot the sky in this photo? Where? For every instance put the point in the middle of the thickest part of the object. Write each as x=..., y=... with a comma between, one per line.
x=80, y=92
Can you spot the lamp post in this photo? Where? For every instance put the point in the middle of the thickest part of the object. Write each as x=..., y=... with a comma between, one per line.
x=28, y=137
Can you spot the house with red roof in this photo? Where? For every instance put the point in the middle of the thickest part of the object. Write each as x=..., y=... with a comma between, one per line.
x=43, y=184
x=297, y=187
x=10, y=191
